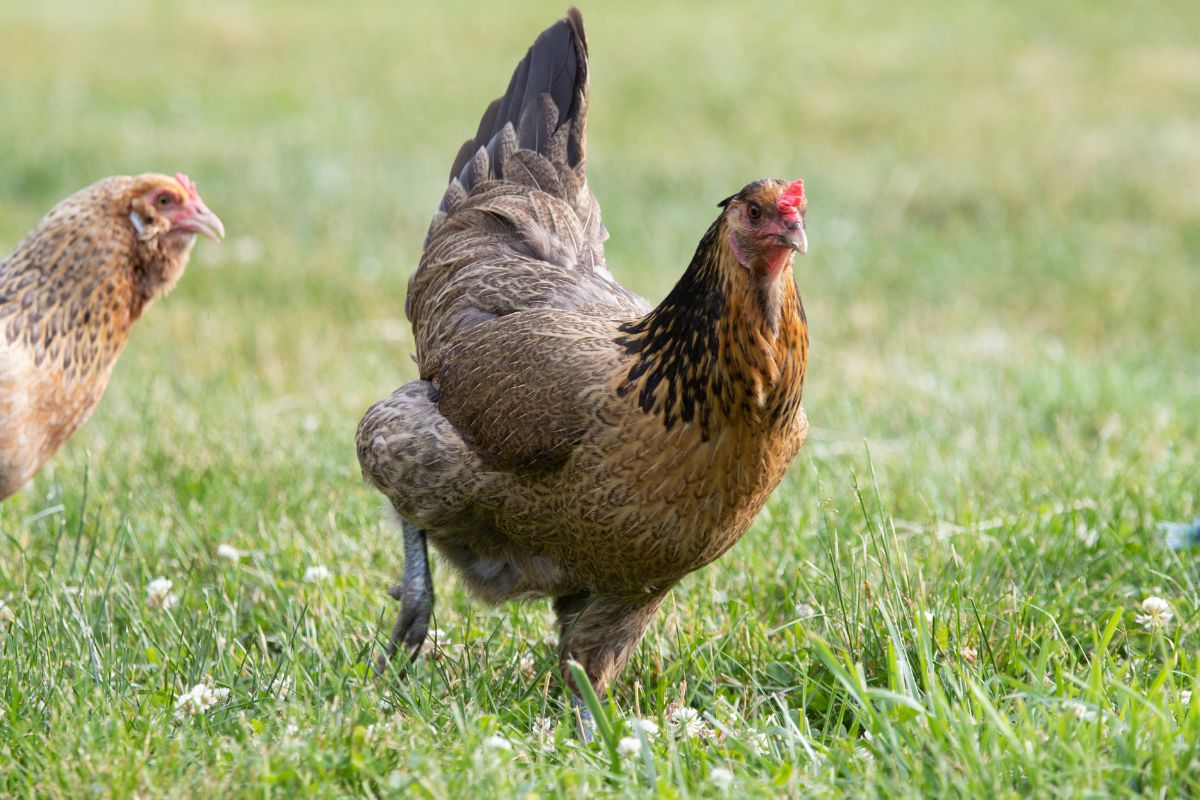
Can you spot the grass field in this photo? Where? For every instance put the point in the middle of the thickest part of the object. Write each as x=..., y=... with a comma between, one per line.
x=1003, y=289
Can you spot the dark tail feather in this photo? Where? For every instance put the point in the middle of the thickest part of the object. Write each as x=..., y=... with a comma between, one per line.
x=515, y=185
x=548, y=91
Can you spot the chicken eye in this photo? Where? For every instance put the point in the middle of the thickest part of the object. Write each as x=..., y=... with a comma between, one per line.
x=754, y=212
x=164, y=200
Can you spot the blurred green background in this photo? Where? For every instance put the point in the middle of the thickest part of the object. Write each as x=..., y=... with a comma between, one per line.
x=1003, y=289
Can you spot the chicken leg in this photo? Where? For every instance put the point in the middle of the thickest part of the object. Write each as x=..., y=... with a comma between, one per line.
x=600, y=632
x=415, y=594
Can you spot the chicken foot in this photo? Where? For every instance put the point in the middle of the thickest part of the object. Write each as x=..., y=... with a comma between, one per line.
x=415, y=593
x=599, y=632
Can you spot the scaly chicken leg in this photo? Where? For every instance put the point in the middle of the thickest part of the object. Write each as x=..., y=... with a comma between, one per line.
x=600, y=632
x=415, y=594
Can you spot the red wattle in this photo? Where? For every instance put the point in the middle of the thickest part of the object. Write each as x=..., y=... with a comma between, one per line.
x=775, y=259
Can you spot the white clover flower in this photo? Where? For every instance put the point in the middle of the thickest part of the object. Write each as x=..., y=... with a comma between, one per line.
x=1157, y=613
x=282, y=688
x=686, y=722
x=435, y=642
x=720, y=777
x=158, y=594
x=199, y=698
x=757, y=742
x=527, y=665
x=629, y=747
x=292, y=730
x=1185, y=697
x=1082, y=711
x=806, y=611
x=648, y=727
x=317, y=574
x=1087, y=536
x=375, y=730
x=542, y=733
x=229, y=553
x=497, y=743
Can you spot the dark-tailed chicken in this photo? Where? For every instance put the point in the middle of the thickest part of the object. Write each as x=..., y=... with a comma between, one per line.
x=68, y=296
x=565, y=439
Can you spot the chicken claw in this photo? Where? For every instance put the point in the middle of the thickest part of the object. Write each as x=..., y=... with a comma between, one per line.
x=415, y=594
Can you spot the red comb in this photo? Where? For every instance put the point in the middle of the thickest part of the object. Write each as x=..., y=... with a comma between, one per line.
x=792, y=197
x=187, y=185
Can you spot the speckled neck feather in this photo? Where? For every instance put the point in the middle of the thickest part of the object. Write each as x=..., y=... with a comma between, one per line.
x=723, y=345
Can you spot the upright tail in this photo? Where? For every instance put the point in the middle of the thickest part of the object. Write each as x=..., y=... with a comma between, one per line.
x=535, y=134
x=517, y=228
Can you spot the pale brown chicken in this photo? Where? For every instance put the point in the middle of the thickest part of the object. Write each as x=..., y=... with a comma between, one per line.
x=68, y=296
x=565, y=440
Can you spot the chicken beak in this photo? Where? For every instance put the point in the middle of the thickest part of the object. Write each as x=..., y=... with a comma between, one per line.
x=795, y=237
x=203, y=222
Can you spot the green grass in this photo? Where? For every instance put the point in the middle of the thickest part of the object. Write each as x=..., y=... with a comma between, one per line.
x=1004, y=298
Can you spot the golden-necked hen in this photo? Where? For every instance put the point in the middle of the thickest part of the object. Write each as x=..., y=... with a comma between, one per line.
x=566, y=439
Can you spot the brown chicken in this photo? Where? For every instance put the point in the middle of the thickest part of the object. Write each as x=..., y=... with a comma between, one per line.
x=565, y=440
x=68, y=296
